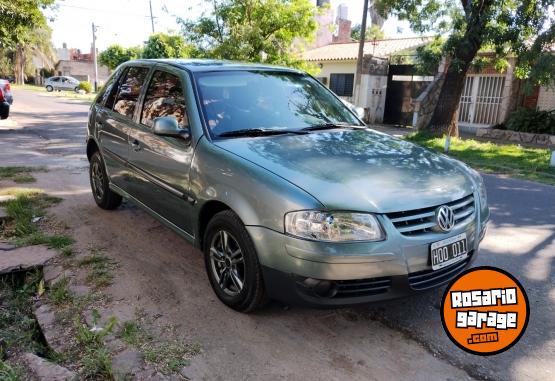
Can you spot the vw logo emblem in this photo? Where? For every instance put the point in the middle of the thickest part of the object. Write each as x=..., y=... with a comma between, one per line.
x=445, y=218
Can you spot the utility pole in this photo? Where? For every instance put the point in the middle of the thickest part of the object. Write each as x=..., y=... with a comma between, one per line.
x=358, y=75
x=151, y=16
x=94, y=58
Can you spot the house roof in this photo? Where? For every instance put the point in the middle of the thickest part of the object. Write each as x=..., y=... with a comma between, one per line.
x=349, y=50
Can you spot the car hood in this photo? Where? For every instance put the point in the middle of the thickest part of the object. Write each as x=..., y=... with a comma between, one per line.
x=359, y=170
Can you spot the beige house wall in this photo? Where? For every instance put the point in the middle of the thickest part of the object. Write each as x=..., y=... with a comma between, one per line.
x=82, y=70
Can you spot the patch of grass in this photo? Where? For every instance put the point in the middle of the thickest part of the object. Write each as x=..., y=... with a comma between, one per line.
x=96, y=365
x=100, y=268
x=25, y=212
x=166, y=356
x=510, y=159
x=19, y=174
x=8, y=373
x=60, y=293
x=68, y=251
x=61, y=94
x=56, y=241
x=26, y=205
x=130, y=332
x=96, y=362
x=59, y=241
x=18, y=328
x=169, y=357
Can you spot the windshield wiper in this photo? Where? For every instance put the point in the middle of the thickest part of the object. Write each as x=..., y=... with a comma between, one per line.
x=260, y=132
x=331, y=126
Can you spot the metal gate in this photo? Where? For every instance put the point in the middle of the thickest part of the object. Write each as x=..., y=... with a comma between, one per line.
x=403, y=86
x=481, y=99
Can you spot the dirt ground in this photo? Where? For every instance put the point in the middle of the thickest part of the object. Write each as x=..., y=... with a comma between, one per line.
x=164, y=276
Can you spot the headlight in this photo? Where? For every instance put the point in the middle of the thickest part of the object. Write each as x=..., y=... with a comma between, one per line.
x=333, y=226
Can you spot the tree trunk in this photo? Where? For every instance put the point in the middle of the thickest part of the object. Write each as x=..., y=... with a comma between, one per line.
x=19, y=65
x=445, y=115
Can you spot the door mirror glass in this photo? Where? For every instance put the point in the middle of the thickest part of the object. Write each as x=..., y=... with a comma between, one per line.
x=168, y=126
x=359, y=111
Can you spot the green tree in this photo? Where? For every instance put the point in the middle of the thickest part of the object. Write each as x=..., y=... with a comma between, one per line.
x=24, y=34
x=114, y=55
x=373, y=32
x=253, y=30
x=18, y=15
x=507, y=27
x=161, y=45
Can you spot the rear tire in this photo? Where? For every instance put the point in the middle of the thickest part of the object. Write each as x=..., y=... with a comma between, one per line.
x=49, y=88
x=100, y=186
x=76, y=89
x=232, y=267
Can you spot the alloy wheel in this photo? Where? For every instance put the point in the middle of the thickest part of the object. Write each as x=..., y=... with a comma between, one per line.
x=97, y=177
x=227, y=263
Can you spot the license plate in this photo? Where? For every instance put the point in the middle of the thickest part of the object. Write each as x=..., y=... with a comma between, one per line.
x=448, y=251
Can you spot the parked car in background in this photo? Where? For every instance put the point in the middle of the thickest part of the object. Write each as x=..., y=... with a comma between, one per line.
x=6, y=98
x=61, y=83
x=284, y=189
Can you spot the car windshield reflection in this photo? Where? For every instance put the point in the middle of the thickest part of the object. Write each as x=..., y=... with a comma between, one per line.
x=266, y=100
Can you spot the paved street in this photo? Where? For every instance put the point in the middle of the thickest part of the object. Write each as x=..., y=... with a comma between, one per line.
x=398, y=339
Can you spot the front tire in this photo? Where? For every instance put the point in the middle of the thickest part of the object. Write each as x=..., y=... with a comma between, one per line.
x=100, y=186
x=232, y=263
x=49, y=88
x=76, y=89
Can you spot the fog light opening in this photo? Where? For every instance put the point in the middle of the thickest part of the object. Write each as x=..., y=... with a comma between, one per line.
x=322, y=288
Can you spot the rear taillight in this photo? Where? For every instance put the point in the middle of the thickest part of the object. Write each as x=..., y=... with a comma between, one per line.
x=8, y=87
x=1, y=95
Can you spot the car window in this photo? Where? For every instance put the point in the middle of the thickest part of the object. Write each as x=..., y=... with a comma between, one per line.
x=164, y=97
x=55, y=79
x=129, y=91
x=108, y=89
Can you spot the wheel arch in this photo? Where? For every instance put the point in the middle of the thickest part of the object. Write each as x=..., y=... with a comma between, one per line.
x=207, y=211
x=92, y=147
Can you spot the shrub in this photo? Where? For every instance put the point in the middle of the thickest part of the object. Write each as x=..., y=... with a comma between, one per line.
x=86, y=86
x=528, y=120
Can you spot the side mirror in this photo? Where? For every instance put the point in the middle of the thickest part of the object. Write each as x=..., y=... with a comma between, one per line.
x=167, y=126
x=359, y=111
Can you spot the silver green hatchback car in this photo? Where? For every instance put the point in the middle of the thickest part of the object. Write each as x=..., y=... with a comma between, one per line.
x=280, y=184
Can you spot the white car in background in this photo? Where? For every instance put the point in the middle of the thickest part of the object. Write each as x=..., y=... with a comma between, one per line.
x=61, y=83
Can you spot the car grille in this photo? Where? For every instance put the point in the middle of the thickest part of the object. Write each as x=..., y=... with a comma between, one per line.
x=422, y=280
x=361, y=287
x=422, y=221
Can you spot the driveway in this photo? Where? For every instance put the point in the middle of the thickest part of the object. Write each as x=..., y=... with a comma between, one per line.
x=163, y=275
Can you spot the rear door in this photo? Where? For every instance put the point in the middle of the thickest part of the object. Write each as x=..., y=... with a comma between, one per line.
x=161, y=164
x=114, y=120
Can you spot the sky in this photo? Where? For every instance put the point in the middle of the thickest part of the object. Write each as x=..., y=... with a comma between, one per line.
x=127, y=22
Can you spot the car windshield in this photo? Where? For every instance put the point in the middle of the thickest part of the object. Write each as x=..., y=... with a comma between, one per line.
x=267, y=100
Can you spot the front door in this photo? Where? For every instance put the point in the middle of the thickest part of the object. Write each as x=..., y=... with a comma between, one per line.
x=161, y=164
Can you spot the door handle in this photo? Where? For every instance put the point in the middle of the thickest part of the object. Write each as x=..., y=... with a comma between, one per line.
x=136, y=145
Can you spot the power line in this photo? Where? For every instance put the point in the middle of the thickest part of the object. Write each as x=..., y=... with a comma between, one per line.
x=103, y=10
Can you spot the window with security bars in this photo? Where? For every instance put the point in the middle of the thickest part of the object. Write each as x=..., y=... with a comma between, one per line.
x=342, y=84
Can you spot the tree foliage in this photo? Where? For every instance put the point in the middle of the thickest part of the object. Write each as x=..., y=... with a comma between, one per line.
x=114, y=55
x=373, y=32
x=524, y=28
x=18, y=16
x=253, y=30
x=161, y=45
x=24, y=34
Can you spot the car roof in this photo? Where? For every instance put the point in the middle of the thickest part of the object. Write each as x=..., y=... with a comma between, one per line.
x=200, y=65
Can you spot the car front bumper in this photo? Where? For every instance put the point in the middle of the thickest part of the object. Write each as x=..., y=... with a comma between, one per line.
x=319, y=274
